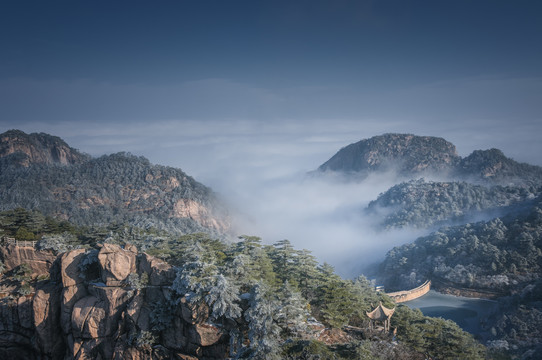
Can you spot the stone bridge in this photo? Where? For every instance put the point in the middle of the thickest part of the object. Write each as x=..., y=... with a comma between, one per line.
x=407, y=295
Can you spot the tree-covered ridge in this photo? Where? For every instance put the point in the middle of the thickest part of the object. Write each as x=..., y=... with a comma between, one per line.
x=263, y=296
x=414, y=156
x=494, y=167
x=119, y=188
x=501, y=257
x=422, y=204
x=496, y=254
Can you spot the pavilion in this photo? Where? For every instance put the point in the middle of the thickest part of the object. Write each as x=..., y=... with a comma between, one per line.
x=380, y=315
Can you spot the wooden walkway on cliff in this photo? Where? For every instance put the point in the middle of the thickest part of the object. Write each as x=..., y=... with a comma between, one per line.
x=407, y=295
x=18, y=243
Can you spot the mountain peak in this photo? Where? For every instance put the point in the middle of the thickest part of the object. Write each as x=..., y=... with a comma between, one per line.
x=493, y=165
x=409, y=154
x=37, y=148
x=415, y=156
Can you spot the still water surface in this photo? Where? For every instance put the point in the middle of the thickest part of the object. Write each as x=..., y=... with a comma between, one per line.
x=466, y=312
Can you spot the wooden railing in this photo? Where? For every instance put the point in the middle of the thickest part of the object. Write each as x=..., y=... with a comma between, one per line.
x=19, y=243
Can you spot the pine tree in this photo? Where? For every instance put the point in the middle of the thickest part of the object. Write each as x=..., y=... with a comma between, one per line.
x=292, y=314
x=259, y=266
x=263, y=330
x=238, y=268
x=197, y=274
x=223, y=299
x=306, y=274
x=334, y=298
x=283, y=257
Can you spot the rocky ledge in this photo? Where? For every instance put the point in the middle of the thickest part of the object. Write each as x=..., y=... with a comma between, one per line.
x=106, y=303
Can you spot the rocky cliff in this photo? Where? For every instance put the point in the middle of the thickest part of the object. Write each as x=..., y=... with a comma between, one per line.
x=101, y=304
x=39, y=148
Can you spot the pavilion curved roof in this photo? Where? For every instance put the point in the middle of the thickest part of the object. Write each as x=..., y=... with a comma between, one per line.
x=381, y=313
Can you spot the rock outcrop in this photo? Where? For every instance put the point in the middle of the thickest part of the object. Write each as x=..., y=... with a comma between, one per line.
x=91, y=309
x=38, y=149
x=40, y=262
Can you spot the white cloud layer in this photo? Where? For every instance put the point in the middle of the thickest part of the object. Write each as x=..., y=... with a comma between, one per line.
x=255, y=145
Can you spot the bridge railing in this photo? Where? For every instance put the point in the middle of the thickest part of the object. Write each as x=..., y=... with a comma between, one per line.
x=407, y=295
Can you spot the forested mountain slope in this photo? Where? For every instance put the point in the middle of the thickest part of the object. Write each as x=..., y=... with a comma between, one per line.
x=106, y=299
x=500, y=258
x=120, y=188
x=481, y=185
x=423, y=204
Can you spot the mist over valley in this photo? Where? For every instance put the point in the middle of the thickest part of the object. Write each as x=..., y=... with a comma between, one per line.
x=270, y=180
x=400, y=208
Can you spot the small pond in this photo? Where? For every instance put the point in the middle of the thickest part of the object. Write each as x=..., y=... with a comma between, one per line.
x=466, y=312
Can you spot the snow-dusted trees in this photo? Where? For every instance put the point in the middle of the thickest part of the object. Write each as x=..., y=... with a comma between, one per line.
x=258, y=265
x=238, y=270
x=197, y=274
x=306, y=273
x=58, y=242
x=263, y=330
x=283, y=255
x=223, y=298
x=293, y=312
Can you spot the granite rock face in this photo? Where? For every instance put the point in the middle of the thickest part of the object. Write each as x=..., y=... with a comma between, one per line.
x=88, y=310
x=38, y=149
x=40, y=262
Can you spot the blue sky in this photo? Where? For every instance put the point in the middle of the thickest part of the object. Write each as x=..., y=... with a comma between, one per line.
x=243, y=94
x=465, y=70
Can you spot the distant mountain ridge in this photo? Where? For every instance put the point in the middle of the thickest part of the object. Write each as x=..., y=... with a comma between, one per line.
x=484, y=183
x=417, y=156
x=41, y=172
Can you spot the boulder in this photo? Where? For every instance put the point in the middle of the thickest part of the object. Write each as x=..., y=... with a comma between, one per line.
x=113, y=302
x=116, y=264
x=69, y=267
x=194, y=312
x=46, y=312
x=24, y=310
x=80, y=318
x=204, y=334
x=173, y=337
x=70, y=296
x=160, y=273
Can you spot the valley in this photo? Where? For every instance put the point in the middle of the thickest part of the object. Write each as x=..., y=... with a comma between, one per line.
x=117, y=203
